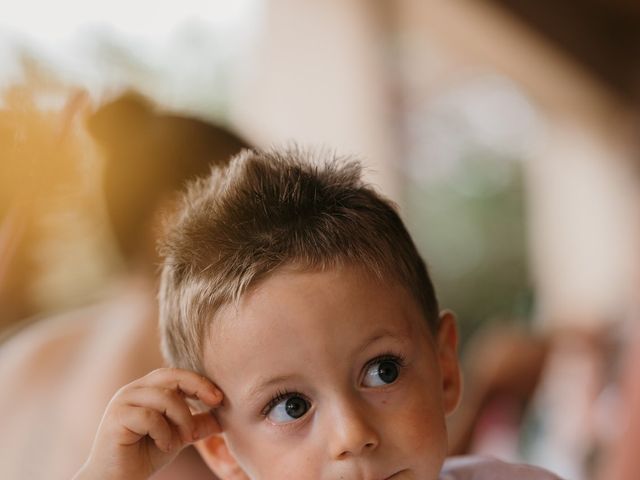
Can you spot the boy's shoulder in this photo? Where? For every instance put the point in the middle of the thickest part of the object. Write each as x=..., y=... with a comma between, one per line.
x=487, y=468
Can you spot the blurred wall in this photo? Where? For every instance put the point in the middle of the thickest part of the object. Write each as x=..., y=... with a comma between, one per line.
x=583, y=225
x=317, y=75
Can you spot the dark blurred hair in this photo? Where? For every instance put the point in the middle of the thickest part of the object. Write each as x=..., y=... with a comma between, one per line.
x=150, y=155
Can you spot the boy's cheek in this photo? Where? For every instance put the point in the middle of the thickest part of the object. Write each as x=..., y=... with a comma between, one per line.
x=247, y=449
x=419, y=429
x=240, y=435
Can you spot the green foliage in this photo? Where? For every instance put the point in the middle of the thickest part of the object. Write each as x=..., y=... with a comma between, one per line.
x=470, y=227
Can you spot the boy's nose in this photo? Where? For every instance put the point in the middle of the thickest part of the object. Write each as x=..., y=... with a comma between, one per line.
x=352, y=432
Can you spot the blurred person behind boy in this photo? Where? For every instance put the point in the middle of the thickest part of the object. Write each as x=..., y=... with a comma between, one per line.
x=48, y=367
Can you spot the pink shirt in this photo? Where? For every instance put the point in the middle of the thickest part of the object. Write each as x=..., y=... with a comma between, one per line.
x=486, y=468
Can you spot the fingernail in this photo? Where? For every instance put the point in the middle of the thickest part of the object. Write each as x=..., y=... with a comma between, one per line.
x=216, y=398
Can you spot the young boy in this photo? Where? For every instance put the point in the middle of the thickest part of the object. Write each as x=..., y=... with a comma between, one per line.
x=304, y=336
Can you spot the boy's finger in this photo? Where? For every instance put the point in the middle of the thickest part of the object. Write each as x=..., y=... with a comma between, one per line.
x=206, y=425
x=168, y=402
x=136, y=422
x=192, y=384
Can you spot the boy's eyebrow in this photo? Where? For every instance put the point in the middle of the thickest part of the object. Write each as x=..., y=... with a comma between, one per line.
x=263, y=384
x=384, y=333
x=378, y=336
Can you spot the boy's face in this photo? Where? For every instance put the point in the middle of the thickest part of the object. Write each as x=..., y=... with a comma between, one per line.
x=333, y=375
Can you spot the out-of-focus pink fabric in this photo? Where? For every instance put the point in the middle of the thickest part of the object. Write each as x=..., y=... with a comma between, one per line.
x=622, y=461
x=486, y=468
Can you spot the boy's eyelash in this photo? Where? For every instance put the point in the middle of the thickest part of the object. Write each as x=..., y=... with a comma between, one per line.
x=397, y=358
x=281, y=395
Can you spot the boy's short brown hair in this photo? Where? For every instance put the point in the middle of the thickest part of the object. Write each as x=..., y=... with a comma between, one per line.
x=265, y=210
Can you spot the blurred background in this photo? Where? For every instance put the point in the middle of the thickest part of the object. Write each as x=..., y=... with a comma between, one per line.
x=506, y=132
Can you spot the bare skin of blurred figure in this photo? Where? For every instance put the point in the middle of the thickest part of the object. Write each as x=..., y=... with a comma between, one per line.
x=58, y=374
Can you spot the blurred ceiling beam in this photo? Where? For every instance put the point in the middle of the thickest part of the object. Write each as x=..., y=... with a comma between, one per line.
x=603, y=36
x=482, y=33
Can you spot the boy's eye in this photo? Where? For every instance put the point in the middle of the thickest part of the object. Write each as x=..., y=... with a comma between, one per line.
x=288, y=409
x=381, y=372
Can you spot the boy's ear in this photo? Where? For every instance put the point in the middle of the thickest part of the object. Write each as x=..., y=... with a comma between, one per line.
x=447, y=349
x=216, y=454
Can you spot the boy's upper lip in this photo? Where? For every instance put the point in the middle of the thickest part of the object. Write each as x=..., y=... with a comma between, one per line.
x=375, y=476
x=393, y=475
x=383, y=477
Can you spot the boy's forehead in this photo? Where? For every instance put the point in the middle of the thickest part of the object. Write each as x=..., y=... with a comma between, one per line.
x=348, y=288
x=296, y=312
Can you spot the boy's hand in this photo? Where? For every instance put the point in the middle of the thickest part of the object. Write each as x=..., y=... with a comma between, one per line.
x=148, y=422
